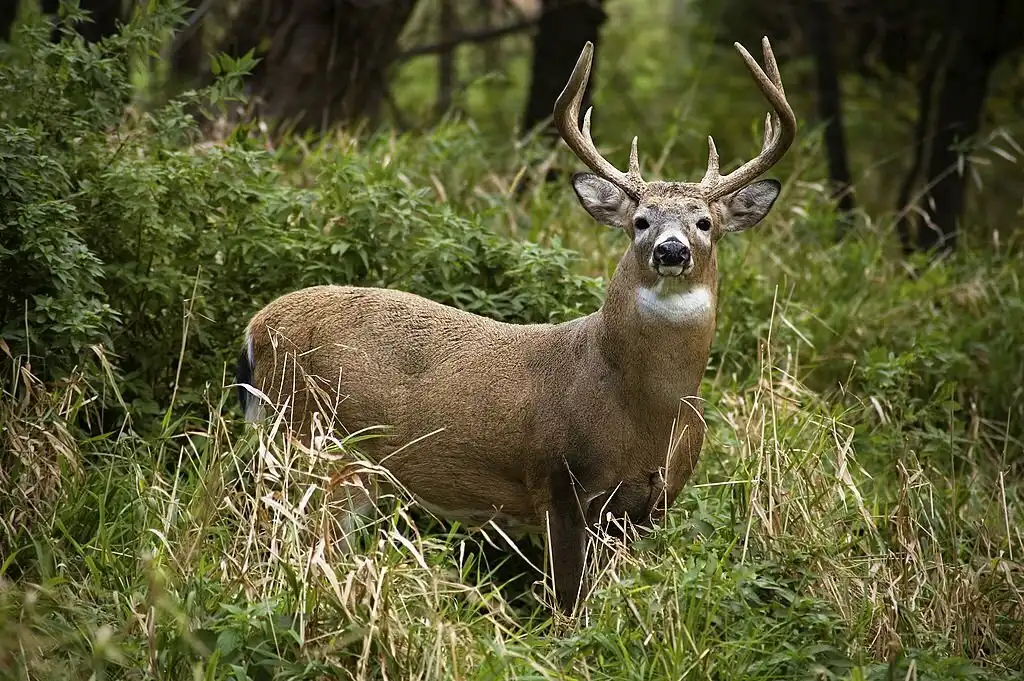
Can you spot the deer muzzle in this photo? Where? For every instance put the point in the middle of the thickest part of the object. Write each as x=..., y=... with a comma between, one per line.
x=672, y=257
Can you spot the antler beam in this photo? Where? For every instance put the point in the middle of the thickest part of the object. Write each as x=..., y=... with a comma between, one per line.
x=779, y=130
x=566, y=116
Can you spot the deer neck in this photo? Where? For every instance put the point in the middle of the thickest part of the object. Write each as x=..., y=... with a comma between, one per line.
x=655, y=333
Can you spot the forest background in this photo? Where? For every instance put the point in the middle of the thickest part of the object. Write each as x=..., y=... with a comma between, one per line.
x=166, y=168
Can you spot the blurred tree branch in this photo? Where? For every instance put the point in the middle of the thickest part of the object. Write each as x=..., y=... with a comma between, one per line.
x=467, y=37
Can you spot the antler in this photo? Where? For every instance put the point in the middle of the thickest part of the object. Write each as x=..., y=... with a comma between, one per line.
x=779, y=130
x=567, y=114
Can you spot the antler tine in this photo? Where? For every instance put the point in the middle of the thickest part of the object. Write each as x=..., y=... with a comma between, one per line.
x=566, y=118
x=587, y=137
x=771, y=66
x=711, y=176
x=772, y=71
x=634, y=160
x=779, y=130
x=769, y=132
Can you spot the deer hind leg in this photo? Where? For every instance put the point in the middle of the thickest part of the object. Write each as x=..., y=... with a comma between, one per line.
x=351, y=492
x=352, y=499
x=306, y=409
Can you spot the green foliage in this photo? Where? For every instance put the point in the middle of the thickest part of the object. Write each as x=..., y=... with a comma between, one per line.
x=115, y=228
x=937, y=352
x=854, y=515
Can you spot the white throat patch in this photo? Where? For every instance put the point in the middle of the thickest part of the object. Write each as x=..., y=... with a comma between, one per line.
x=690, y=306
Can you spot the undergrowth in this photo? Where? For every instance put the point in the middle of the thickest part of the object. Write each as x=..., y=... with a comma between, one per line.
x=856, y=514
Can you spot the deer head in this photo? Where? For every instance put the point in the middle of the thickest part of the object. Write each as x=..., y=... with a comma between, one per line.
x=674, y=226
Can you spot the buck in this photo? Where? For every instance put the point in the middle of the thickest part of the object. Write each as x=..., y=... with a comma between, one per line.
x=550, y=428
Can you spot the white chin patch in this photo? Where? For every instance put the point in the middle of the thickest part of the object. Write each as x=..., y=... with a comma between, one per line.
x=671, y=305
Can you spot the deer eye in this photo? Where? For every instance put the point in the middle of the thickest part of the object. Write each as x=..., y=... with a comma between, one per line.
x=703, y=224
x=641, y=224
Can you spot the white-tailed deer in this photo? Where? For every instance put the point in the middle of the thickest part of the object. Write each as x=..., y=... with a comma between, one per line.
x=544, y=426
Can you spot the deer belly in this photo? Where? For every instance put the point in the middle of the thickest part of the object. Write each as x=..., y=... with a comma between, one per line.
x=471, y=492
x=475, y=517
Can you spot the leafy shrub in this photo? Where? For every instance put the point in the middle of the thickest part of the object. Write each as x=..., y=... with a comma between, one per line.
x=116, y=232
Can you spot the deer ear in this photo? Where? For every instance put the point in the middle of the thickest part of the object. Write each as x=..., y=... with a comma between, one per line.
x=748, y=206
x=605, y=202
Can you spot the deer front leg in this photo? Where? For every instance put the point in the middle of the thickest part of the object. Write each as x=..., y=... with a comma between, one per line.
x=628, y=509
x=567, y=539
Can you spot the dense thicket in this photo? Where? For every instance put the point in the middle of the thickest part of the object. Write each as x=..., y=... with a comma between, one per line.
x=117, y=231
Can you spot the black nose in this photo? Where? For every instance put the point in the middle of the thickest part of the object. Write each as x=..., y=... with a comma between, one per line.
x=672, y=253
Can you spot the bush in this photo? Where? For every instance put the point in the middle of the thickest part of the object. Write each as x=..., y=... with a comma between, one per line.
x=116, y=233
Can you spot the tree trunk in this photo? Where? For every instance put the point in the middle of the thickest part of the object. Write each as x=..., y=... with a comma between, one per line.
x=104, y=14
x=446, y=77
x=818, y=21
x=933, y=69
x=958, y=113
x=8, y=15
x=563, y=29
x=326, y=62
x=957, y=119
x=485, y=8
x=187, y=53
x=565, y=26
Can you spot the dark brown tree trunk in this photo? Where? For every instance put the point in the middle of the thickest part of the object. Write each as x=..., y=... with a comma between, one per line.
x=961, y=102
x=326, y=62
x=446, y=77
x=565, y=26
x=187, y=53
x=8, y=15
x=933, y=70
x=957, y=119
x=491, y=48
x=818, y=25
x=104, y=15
x=563, y=29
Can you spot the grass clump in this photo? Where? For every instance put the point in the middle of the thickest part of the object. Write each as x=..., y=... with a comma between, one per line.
x=855, y=515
